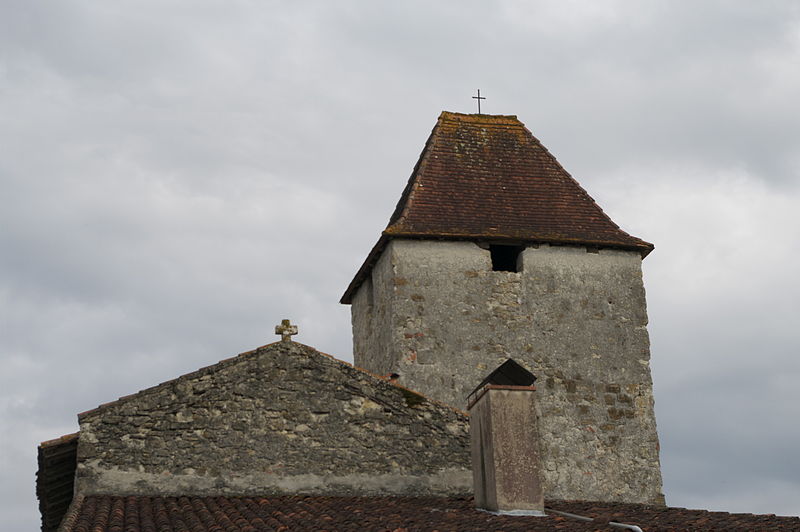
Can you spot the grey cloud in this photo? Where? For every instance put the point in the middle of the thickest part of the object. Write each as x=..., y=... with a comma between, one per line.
x=176, y=179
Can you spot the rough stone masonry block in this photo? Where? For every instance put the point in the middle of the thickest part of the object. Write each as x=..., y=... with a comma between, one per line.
x=442, y=319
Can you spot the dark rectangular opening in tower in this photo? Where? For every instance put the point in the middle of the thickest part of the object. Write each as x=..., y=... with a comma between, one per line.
x=505, y=258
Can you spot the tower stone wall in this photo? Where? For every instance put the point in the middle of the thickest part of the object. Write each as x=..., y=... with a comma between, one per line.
x=434, y=312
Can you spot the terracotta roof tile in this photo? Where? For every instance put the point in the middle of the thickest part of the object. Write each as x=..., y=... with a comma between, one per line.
x=195, y=514
x=486, y=177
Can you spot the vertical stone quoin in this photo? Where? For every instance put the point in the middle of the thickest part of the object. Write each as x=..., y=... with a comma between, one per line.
x=493, y=252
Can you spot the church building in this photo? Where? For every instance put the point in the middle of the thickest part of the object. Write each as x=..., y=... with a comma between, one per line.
x=501, y=382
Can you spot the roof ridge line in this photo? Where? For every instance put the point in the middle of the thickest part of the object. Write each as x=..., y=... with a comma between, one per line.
x=146, y=391
x=212, y=368
x=477, y=116
x=66, y=438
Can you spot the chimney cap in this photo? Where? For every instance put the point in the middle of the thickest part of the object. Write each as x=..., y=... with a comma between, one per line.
x=509, y=373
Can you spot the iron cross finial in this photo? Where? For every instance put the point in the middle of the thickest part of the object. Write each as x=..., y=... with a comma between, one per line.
x=286, y=330
x=479, y=98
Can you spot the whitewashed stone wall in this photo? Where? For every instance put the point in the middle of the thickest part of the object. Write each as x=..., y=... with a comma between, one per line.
x=442, y=319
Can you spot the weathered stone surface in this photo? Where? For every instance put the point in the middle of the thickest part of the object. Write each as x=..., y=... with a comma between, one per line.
x=506, y=467
x=281, y=419
x=435, y=313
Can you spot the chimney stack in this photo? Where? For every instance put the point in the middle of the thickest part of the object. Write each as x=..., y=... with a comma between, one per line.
x=505, y=443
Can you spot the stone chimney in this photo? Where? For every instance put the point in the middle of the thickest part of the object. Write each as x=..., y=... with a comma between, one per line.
x=504, y=437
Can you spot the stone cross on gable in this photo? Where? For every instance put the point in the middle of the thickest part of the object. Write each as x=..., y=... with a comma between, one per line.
x=286, y=330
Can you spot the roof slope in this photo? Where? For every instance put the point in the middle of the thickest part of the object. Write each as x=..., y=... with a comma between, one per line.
x=486, y=177
x=318, y=356
x=174, y=514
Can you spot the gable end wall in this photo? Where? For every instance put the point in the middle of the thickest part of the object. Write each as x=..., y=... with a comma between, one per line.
x=282, y=419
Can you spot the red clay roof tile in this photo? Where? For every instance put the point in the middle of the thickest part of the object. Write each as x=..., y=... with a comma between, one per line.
x=99, y=513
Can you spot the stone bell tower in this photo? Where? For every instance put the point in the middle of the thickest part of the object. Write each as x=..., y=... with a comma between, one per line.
x=493, y=252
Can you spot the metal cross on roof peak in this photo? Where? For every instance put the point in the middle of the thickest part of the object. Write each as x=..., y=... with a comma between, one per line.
x=479, y=98
x=286, y=330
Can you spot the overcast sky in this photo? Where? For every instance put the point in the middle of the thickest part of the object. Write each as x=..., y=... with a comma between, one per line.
x=177, y=176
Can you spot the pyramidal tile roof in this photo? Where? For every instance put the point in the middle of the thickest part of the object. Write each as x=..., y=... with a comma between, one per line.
x=486, y=177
